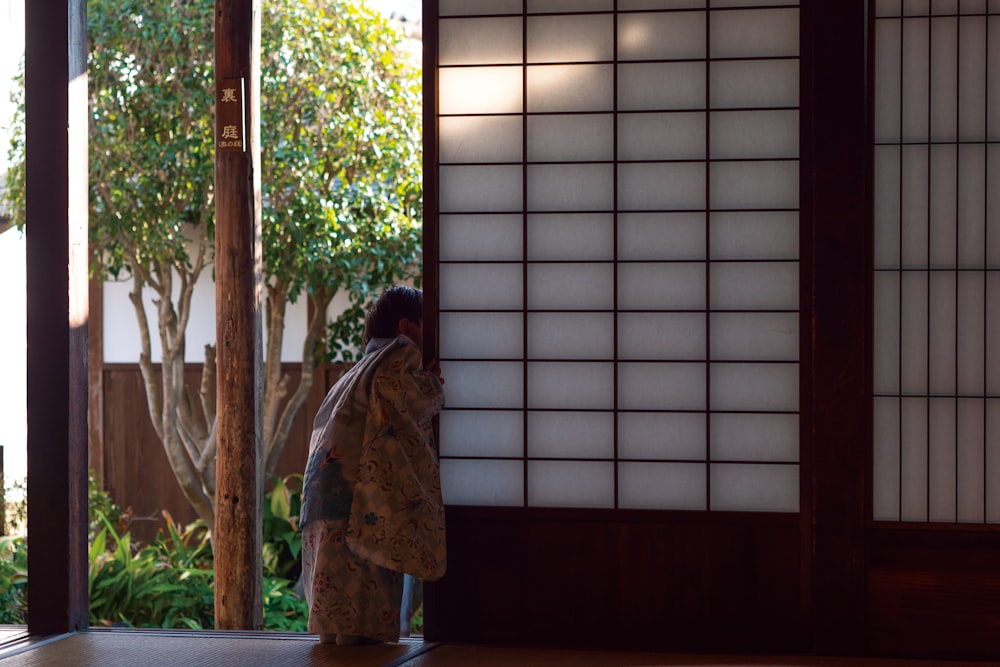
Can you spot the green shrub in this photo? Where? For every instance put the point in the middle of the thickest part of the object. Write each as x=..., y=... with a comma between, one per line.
x=149, y=587
x=281, y=537
x=13, y=580
x=169, y=583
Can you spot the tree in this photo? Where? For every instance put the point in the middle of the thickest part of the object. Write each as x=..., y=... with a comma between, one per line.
x=340, y=128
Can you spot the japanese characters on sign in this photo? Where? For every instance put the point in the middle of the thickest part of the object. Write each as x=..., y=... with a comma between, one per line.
x=230, y=128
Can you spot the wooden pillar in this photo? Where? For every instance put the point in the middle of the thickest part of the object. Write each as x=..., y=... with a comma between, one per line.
x=95, y=373
x=237, y=535
x=56, y=259
x=836, y=193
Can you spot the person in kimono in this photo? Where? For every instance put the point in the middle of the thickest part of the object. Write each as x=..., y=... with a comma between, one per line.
x=371, y=496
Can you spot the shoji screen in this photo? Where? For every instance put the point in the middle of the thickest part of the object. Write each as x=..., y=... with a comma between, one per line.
x=618, y=253
x=937, y=255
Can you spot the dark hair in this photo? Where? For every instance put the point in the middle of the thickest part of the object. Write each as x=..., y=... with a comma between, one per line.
x=394, y=303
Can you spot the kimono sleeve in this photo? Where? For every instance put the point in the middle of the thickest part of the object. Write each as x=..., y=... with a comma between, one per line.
x=397, y=515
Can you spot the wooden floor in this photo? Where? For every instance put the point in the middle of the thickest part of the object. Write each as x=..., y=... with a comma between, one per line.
x=96, y=648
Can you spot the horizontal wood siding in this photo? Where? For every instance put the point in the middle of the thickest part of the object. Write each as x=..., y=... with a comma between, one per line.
x=658, y=580
x=136, y=472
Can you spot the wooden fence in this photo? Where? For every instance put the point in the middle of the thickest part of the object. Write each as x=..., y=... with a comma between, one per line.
x=135, y=470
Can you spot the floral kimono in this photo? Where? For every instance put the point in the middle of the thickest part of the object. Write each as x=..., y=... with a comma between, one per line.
x=371, y=507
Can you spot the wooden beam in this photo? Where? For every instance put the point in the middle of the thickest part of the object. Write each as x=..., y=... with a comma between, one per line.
x=56, y=259
x=836, y=199
x=237, y=534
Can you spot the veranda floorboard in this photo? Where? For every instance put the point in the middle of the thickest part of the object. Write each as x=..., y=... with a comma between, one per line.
x=131, y=648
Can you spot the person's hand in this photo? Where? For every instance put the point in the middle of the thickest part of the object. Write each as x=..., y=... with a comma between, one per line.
x=432, y=367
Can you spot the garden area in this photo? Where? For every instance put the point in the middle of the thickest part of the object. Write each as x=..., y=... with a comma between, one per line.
x=167, y=583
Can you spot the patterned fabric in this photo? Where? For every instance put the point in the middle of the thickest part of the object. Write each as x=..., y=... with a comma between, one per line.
x=347, y=595
x=372, y=487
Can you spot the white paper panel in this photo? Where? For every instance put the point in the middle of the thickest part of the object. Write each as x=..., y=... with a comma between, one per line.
x=490, y=483
x=916, y=80
x=661, y=336
x=913, y=333
x=755, y=185
x=661, y=86
x=481, y=335
x=484, y=384
x=569, y=5
x=888, y=7
x=560, y=88
x=971, y=461
x=943, y=206
x=481, y=433
x=481, y=286
x=584, y=435
x=992, y=333
x=885, y=468
x=571, y=138
x=972, y=77
x=661, y=435
x=480, y=139
x=562, y=236
x=916, y=7
x=755, y=386
x=661, y=286
x=571, y=336
x=660, y=4
x=464, y=7
x=479, y=90
x=941, y=324
x=971, y=328
x=760, y=33
x=486, y=189
x=887, y=168
x=716, y=4
x=991, y=464
x=972, y=206
x=571, y=187
x=886, y=332
x=556, y=385
x=666, y=386
x=993, y=201
x=944, y=79
x=755, y=285
x=485, y=41
x=668, y=186
x=755, y=336
x=661, y=236
x=913, y=459
x=662, y=486
x=755, y=134
x=755, y=487
x=993, y=85
x=661, y=136
x=914, y=212
x=571, y=286
x=585, y=38
x=570, y=484
x=661, y=36
x=755, y=83
x=887, y=79
x=755, y=235
x=941, y=469
x=748, y=437
x=481, y=237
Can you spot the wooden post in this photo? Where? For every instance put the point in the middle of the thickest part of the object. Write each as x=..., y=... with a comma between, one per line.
x=56, y=261
x=237, y=535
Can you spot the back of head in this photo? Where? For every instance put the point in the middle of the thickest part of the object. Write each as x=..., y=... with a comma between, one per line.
x=394, y=304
